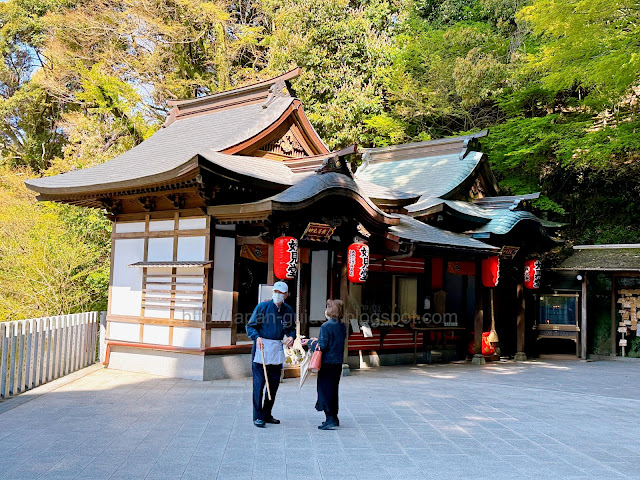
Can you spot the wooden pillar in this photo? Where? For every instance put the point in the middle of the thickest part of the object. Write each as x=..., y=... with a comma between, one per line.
x=614, y=317
x=344, y=296
x=583, y=322
x=270, y=275
x=478, y=320
x=520, y=324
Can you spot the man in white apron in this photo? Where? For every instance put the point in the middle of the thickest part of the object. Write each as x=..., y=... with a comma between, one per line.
x=271, y=322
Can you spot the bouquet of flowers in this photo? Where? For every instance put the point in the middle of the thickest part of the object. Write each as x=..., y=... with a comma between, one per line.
x=295, y=354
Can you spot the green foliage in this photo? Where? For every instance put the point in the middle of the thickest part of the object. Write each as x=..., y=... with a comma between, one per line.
x=634, y=348
x=52, y=259
x=590, y=44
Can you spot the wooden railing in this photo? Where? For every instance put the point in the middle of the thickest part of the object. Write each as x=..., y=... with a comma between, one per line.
x=38, y=350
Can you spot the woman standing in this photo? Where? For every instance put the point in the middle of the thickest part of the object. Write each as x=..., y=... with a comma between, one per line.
x=331, y=342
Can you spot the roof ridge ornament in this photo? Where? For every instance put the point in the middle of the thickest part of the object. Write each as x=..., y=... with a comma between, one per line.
x=337, y=163
x=277, y=90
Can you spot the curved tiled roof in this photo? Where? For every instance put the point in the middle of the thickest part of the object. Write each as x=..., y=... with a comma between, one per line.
x=503, y=221
x=426, y=176
x=411, y=229
x=170, y=148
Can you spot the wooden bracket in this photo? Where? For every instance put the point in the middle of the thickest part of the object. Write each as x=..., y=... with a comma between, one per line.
x=148, y=203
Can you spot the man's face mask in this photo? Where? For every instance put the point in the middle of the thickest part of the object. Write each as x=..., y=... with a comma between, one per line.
x=278, y=297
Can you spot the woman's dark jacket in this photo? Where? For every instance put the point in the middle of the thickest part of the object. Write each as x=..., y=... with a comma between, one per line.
x=333, y=334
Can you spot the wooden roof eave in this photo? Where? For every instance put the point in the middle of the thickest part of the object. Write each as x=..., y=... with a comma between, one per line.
x=262, y=209
x=374, y=215
x=181, y=173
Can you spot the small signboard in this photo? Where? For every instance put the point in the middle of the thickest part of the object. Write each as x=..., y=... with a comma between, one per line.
x=508, y=252
x=265, y=292
x=623, y=342
x=317, y=232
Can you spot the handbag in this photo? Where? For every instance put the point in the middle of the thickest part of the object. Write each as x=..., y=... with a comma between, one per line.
x=316, y=360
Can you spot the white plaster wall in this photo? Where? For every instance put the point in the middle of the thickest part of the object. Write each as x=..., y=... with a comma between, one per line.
x=126, y=289
x=220, y=337
x=156, y=334
x=191, y=248
x=161, y=225
x=319, y=270
x=192, y=223
x=160, y=249
x=223, y=269
x=186, y=337
x=126, y=332
x=129, y=227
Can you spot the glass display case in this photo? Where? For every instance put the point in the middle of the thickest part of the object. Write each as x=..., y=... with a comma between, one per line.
x=557, y=317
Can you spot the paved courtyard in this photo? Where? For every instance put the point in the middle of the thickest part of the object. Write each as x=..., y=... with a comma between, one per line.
x=548, y=419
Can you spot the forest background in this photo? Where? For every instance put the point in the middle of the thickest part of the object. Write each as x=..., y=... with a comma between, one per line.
x=81, y=81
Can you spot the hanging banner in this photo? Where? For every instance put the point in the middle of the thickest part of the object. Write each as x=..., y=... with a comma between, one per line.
x=461, y=268
x=436, y=273
x=358, y=262
x=285, y=258
x=257, y=253
x=532, y=274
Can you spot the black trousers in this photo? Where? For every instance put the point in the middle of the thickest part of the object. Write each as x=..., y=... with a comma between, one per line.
x=262, y=409
x=328, y=381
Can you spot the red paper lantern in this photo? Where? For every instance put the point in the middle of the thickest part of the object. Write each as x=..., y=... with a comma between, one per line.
x=487, y=348
x=358, y=262
x=490, y=271
x=532, y=274
x=285, y=257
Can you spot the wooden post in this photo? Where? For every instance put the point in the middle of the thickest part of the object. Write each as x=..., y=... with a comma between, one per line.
x=478, y=320
x=520, y=325
x=270, y=275
x=583, y=322
x=614, y=317
x=344, y=296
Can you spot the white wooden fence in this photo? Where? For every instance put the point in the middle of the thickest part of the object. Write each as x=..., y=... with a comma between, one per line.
x=38, y=350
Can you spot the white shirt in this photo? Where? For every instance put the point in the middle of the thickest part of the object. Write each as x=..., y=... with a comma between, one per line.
x=273, y=352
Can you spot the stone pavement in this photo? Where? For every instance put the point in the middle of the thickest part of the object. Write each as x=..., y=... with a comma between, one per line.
x=546, y=419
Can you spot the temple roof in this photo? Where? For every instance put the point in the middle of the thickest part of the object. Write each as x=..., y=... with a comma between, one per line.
x=429, y=176
x=169, y=149
x=605, y=258
x=309, y=189
x=411, y=229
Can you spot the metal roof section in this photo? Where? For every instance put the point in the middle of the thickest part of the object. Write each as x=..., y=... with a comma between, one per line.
x=169, y=150
x=503, y=221
x=442, y=146
x=427, y=176
x=414, y=230
x=377, y=192
x=603, y=258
